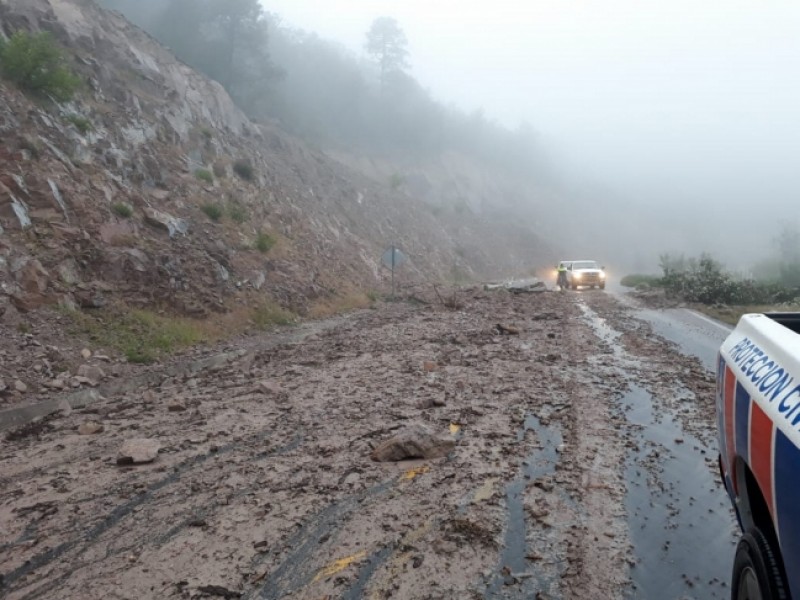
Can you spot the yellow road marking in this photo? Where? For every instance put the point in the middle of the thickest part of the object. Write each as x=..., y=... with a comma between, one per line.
x=339, y=565
x=411, y=473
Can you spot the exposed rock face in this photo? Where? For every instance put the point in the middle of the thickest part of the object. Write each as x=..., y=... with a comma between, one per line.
x=116, y=210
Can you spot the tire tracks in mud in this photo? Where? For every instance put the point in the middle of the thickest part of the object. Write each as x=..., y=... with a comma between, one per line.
x=86, y=541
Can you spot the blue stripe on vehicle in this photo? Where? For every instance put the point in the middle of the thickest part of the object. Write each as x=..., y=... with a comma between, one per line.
x=787, y=501
x=742, y=408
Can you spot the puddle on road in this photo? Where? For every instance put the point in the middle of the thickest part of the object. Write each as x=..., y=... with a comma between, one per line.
x=681, y=526
x=525, y=578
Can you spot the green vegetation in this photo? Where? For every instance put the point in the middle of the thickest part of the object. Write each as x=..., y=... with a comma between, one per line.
x=122, y=210
x=213, y=211
x=141, y=336
x=204, y=175
x=82, y=124
x=264, y=242
x=705, y=281
x=244, y=169
x=35, y=63
x=237, y=212
x=638, y=279
x=270, y=313
x=396, y=180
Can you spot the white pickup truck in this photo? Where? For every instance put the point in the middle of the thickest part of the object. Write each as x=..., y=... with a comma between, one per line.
x=758, y=420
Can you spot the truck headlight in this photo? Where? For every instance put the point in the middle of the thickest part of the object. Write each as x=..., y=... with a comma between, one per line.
x=577, y=275
x=602, y=275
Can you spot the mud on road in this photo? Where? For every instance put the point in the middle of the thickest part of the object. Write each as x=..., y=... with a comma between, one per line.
x=583, y=467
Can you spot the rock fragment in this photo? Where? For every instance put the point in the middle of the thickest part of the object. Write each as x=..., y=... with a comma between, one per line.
x=138, y=451
x=416, y=441
x=91, y=372
x=20, y=386
x=176, y=405
x=90, y=428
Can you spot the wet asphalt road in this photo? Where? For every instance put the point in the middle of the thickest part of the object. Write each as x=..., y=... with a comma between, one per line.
x=690, y=557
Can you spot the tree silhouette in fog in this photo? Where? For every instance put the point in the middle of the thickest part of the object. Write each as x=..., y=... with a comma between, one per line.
x=388, y=46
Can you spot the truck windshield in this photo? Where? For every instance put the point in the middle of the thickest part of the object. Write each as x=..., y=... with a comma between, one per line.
x=585, y=264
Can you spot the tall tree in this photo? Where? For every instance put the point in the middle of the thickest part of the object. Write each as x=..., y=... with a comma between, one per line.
x=387, y=44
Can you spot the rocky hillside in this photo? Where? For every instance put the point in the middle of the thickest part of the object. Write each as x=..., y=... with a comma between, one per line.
x=153, y=188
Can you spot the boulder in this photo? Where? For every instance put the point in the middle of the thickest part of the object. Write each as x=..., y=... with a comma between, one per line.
x=416, y=441
x=91, y=372
x=138, y=451
x=170, y=224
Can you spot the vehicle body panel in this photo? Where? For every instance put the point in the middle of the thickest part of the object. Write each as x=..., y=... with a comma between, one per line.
x=758, y=418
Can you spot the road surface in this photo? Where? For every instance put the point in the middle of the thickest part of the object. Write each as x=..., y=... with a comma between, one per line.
x=577, y=461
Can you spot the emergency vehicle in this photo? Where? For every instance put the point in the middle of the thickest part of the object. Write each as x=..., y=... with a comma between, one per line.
x=758, y=420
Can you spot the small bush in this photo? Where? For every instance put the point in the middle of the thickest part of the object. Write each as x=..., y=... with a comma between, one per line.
x=34, y=62
x=396, y=180
x=237, y=213
x=206, y=133
x=244, y=169
x=213, y=211
x=264, y=242
x=82, y=124
x=204, y=175
x=636, y=279
x=220, y=170
x=122, y=210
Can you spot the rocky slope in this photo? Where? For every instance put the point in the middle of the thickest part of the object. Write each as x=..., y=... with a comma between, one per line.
x=136, y=135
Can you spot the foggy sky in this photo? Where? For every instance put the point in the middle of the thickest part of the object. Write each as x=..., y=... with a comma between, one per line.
x=675, y=105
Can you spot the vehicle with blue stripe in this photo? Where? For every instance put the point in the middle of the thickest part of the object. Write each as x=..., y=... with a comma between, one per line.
x=758, y=420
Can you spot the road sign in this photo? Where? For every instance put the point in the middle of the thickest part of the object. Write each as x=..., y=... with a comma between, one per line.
x=393, y=257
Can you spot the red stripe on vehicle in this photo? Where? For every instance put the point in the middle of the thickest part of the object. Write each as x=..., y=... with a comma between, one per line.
x=761, y=452
x=730, y=387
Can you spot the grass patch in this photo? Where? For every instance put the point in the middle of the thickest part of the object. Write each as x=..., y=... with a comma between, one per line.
x=237, y=212
x=204, y=175
x=122, y=210
x=636, y=279
x=264, y=242
x=732, y=314
x=269, y=314
x=142, y=336
x=82, y=124
x=244, y=169
x=339, y=304
x=213, y=211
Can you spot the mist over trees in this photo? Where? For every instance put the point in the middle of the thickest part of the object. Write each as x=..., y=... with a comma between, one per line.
x=322, y=92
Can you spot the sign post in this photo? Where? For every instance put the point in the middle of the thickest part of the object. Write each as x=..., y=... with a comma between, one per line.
x=392, y=259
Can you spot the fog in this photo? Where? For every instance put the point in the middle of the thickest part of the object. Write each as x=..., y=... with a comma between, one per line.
x=678, y=120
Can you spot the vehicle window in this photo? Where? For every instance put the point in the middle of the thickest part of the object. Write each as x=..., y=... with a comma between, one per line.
x=585, y=264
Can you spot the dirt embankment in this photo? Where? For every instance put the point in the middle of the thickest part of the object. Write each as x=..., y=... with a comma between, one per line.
x=264, y=487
